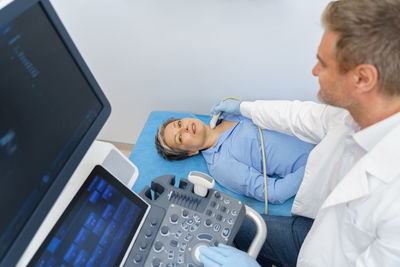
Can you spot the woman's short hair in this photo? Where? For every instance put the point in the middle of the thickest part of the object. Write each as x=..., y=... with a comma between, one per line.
x=369, y=33
x=163, y=149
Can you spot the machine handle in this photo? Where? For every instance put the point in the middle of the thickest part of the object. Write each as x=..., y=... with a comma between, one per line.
x=261, y=234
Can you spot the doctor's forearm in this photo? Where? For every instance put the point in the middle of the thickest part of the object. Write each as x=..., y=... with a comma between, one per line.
x=302, y=119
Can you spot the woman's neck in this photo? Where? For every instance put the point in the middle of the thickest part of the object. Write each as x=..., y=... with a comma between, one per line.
x=215, y=133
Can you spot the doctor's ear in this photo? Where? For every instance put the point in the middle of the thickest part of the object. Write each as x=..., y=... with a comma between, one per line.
x=365, y=78
x=192, y=153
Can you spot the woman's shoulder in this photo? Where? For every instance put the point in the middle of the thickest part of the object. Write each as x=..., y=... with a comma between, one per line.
x=238, y=118
x=231, y=117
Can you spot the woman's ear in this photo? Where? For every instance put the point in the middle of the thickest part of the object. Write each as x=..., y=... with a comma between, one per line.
x=192, y=153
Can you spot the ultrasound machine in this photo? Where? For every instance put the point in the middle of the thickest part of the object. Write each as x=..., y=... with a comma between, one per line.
x=66, y=199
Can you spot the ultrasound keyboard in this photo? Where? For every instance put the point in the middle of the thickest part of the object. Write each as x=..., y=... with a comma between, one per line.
x=180, y=222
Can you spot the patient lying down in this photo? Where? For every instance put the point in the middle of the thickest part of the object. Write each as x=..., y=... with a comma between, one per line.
x=233, y=154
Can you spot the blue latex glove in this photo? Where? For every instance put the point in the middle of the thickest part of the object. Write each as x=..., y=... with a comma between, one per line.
x=227, y=256
x=231, y=106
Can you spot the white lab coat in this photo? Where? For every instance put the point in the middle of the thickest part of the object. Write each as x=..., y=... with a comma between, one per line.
x=357, y=216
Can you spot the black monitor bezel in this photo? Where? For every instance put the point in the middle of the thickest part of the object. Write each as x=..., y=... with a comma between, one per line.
x=109, y=178
x=7, y=14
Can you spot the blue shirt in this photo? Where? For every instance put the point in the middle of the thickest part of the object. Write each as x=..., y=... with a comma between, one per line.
x=235, y=161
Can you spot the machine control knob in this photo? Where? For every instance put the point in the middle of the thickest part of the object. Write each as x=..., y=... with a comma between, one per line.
x=208, y=222
x=164, y=230
x=174, y=218
x=217, y=195
x=143, y=245
x=148, y=233
x=185, y=213
x=138, y=258
x=156, y=262
x=196, y=252
x=158, y=246
x=173, y=243
x=153, y=222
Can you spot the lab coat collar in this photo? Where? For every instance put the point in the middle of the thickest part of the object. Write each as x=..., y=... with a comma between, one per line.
x=381, y=163
x=370, y=136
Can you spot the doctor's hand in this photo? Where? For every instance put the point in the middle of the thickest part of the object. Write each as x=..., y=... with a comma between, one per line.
x=231, y=106
x=224, y=255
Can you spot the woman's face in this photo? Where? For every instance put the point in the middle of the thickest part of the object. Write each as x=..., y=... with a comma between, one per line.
x=186, y=134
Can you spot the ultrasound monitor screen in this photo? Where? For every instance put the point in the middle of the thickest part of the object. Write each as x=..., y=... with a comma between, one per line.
x=96, y=228
x=47, y=106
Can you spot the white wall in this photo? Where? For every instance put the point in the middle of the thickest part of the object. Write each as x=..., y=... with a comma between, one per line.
x=185, y=54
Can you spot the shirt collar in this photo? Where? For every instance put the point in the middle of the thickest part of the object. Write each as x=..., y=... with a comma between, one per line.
x=223, y=136
x=370, y=136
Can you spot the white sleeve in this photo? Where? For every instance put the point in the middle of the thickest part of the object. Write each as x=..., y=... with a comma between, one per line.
x=309, y=121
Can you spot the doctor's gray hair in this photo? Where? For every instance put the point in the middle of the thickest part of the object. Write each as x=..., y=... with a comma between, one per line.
x=163, y=149
x=369, y=33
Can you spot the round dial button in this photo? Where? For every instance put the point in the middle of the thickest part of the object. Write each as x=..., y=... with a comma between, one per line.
x=196, y=252
x=148, y=233
x=164, y=230
x=138, y=258
x=158, y=246
x=143, y=245
x=153, y=222
x=174, y=218
x=156, y=262
x=185, y=213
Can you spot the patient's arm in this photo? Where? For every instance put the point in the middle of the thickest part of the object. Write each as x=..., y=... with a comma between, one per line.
x=246, y=180
x=280, y=190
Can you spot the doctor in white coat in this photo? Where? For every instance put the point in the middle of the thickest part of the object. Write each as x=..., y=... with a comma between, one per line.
x=351, y=185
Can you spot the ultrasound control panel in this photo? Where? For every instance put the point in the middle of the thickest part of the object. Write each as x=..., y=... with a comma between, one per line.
x=180, y=222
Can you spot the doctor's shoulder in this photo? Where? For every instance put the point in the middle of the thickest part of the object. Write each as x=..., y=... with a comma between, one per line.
x=335, y=116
